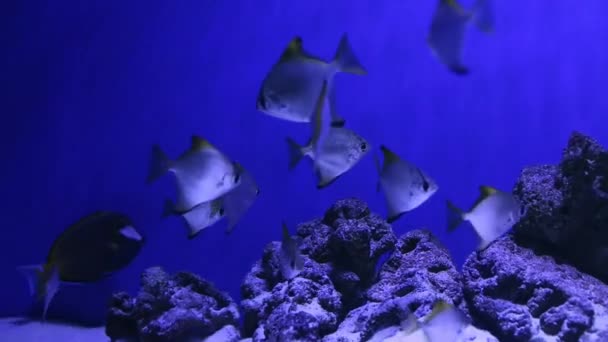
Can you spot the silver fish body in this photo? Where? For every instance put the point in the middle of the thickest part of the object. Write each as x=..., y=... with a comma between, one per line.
x=405, y=186
x=202, y=173
x=290, y=88
x=493, y=214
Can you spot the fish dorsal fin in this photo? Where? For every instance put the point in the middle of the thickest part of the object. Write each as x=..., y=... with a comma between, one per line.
x=199, y=143
x=389, y=156
x=456, y=7
x=484, y=192
x=439, y=307
x=293, y=50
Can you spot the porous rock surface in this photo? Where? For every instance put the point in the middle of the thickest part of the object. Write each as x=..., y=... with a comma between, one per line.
x=521, y=296
x=178, y=307
x=567, y=206
x=342, y=295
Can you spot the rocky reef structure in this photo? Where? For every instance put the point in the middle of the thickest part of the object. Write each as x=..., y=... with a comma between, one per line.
x=543, y=281
x=521, y=296
x=567, y=206
x=169, y=308
x=345, y=292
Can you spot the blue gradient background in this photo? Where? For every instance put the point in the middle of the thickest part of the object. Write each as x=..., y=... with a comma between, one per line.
x=89, y=86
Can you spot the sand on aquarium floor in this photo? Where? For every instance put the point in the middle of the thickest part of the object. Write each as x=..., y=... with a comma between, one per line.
x=17, y=329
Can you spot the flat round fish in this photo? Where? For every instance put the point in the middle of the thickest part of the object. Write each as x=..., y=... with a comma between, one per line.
x=339, y=152
x=291, y=89
x=202, y=177
x=94, y=247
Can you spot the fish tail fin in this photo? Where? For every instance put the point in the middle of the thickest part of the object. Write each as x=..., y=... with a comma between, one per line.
x=483, y=16
x=168, y=208
x=295, y=153
x=159, y=164
x=38, y=275
x=455, y=216
x=346, y=60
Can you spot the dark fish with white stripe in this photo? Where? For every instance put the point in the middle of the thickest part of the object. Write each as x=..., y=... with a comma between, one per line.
x=89, y=250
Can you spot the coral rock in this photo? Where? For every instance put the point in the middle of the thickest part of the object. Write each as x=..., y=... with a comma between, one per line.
x=520, y=296
x=171, y=308
x=567, y=206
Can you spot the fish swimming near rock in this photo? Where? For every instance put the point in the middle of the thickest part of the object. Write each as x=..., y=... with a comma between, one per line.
x=404, y=185
x=444, y=323
x=446, y=34
x=232, y=206
x=492, y=215
x=202, y=173
x=291, y=260
x=290, y=88
x=89, y=250
x=333, y=150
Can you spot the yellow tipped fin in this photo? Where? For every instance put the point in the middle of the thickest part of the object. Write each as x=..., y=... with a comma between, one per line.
x=294, y=50
x=439, y=307
x=199, y=143
x=389, y=156
x=484, y=192
x=454, y=5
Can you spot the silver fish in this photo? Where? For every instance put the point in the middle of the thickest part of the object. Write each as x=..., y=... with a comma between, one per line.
x=289, y=90
x=232, y=206
x=291, y=261
x=200, y=216
x=493, y=214
x=334, y=150
x=202, y=173
x=446, y=34
x=404, y=185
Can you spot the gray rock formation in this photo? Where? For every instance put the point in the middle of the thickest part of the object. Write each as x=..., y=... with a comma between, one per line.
x=567, y=206
x=344, y=293
x=172, y=308
x=521, y=296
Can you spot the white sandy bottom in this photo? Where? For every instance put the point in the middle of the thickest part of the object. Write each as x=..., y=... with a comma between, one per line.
x=34, y=331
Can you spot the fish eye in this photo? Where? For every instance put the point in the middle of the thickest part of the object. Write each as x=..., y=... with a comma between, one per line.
x=363, y=146
x=425, y=185
x=221, y=211
x=237, y=177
